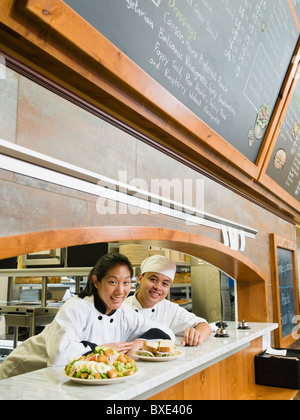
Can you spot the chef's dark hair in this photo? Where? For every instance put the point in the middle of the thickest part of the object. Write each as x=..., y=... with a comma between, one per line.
x=103, y=265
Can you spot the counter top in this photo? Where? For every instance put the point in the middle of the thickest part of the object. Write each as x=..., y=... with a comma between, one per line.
x=50, y=383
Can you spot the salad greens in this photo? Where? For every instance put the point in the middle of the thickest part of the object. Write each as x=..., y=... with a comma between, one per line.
x=105, y=363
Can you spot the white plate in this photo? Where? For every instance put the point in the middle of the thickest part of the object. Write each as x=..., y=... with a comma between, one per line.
x=159, y=358
x=101, y=381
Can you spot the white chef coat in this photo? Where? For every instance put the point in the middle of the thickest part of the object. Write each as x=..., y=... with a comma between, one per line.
x=167, y=314
x=77, y=321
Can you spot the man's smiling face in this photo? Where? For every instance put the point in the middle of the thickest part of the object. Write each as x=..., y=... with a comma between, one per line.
x=154, y=287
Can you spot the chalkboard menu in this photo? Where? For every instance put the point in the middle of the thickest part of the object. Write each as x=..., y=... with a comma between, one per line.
x=224, y=60
x=285, y=289
x=284, y=166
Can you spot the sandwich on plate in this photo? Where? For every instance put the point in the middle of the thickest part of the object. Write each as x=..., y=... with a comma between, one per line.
x=164, y=348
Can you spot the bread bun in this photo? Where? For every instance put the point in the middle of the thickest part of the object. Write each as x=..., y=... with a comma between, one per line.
x=151, y=346
x=166, y=346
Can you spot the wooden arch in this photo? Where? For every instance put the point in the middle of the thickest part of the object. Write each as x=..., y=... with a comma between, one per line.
x=251, y=281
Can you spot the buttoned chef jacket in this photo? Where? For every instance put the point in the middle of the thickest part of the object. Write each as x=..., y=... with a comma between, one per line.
x=78, y=327
x=166, y=314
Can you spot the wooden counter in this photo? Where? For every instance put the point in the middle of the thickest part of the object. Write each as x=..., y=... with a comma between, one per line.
x=221, y=368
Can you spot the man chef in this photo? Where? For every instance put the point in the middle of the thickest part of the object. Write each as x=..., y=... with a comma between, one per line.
x=155, y=280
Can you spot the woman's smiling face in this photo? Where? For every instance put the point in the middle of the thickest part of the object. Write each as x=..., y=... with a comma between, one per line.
x=114, y=287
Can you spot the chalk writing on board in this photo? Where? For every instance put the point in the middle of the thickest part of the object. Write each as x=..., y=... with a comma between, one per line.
x=284, y=166
x=134, y=6
x=223, y=60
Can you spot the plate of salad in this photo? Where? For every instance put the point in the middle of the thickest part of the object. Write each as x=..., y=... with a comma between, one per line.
x=105, y=366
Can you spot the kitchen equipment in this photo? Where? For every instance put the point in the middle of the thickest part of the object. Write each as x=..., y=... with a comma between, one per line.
x=243, y=326
x=30, y=316
x=221, y=332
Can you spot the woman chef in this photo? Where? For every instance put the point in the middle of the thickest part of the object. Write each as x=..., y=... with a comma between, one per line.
x=95, y=317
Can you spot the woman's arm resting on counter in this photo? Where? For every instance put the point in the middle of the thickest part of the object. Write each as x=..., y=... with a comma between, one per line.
x=196, y=336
